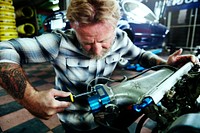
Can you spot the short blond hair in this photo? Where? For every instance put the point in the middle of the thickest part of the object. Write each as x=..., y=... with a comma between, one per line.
x=92, y=11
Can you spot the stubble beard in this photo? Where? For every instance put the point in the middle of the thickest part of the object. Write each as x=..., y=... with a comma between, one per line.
x=94, y=56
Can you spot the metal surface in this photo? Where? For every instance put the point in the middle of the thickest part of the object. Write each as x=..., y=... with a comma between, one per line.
x=133, y=91
x=158, y=92
x=154, y=85
x=83, y=94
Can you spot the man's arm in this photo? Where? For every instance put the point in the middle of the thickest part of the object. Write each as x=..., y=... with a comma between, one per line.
x=13, y=79
x=148, y=59
x=40, y=103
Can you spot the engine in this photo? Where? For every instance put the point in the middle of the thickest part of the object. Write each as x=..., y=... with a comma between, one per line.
x=168, y=96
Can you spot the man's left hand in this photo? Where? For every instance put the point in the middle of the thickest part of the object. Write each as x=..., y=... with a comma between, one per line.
x=178, y=60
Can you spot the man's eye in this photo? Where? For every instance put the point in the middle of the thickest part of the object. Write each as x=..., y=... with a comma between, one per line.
x=87, y=43
x=102, y=41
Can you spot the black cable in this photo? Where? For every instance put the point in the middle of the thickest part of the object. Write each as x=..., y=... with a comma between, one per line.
x=153, y=68
x=143, y=72
x=140, y=124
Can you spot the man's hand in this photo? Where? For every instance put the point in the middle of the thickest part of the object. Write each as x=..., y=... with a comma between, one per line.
x=178, y=60
x=42, y=104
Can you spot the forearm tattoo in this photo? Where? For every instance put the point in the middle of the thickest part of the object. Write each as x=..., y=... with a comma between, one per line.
x=149, y=59
x=12, y=79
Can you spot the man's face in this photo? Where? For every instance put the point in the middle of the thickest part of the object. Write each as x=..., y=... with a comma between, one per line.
x=95, y=39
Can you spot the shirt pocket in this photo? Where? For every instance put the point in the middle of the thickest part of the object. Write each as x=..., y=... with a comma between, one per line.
x=77, y=70
x=111, y=63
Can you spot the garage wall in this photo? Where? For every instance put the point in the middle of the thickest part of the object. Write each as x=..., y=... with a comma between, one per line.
x=182, y=17
x=183, y=20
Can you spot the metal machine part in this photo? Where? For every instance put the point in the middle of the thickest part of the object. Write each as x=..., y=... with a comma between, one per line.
x=188, y=123
x=163, y=96
x=129, y=92
x=103, y=96
x=167, y=96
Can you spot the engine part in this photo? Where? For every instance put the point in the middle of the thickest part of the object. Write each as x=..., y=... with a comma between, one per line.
x=188, y=123
x=163, y=96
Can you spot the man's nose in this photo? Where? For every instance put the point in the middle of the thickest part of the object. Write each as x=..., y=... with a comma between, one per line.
x=97, y=48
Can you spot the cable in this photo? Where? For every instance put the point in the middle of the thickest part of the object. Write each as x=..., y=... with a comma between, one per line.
x=96, y=79
x=153, y=68
x=140, y=124
x=125, y=77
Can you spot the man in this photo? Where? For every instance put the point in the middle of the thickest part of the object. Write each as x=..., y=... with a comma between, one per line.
x=90, y=50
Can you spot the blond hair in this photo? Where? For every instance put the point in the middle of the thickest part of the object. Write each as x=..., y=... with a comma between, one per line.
x=92, y=11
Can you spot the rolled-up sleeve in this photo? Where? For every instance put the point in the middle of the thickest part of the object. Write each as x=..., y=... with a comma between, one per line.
x=8, y=52
x=34, y=50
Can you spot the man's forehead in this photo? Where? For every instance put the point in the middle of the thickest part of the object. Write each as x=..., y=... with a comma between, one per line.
x=95, y=29
x=102, y=24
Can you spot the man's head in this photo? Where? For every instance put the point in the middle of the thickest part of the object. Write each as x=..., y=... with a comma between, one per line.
x=94, y=22
x=92, y=11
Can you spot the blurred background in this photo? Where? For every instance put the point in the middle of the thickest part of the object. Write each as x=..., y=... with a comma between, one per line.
x=160, y=26
x=144, y=22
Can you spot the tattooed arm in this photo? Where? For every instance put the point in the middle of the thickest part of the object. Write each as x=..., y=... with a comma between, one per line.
x=149, y=59
x=40, y=103
x=12, y=79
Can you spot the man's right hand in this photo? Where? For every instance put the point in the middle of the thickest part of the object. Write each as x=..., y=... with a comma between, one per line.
x=43, y=104
x=40, y=103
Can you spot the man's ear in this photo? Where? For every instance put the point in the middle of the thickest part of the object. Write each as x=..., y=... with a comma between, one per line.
x=73, y=25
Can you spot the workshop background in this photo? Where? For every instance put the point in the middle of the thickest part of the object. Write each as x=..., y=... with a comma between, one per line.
x=28, y=18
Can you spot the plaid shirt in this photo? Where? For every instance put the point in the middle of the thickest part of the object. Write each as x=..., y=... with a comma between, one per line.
x=74, y=70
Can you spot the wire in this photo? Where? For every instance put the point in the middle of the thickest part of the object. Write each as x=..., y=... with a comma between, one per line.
x=125, y=77
x=153, y=68
x=140, y=124
x=96, y=79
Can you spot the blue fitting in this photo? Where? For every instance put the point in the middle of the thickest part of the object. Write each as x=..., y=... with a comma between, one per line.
x=145, y=102
x=99, y=99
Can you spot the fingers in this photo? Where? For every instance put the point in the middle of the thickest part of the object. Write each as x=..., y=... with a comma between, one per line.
x=195, y=59
x=60, y=110
x=58, y=93
x=61, y=104
x=45, y=104
x=191, y=58
x=178, y=52
x=176, y=59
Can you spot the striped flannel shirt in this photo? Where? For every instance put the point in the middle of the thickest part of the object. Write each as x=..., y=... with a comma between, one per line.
x=73, y=69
